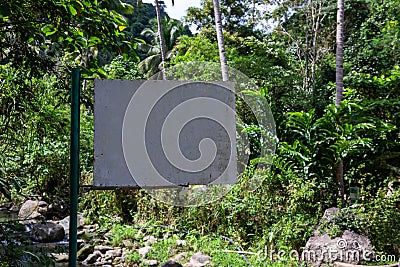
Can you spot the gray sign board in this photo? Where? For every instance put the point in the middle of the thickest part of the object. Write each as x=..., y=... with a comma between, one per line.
x=164, y=133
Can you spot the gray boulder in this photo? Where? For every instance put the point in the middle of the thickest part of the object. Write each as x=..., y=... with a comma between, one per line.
x=92, y=258
x=351, y=248
x=65, y=222
x=32, y=210
x=103, y=249
x=198, y=260
x=150, y=262
x=47, y=232
x=144, y=251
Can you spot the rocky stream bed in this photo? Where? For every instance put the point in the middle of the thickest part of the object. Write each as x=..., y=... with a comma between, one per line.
x=39, y=227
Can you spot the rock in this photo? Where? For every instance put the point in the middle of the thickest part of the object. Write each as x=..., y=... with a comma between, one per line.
x=57, y=210
x=150, y=262
x=65, y=222
x=61, y=257
x=118, y=260
x=149, y=240
x=128, y=243
x=47, y=232
x=199, y=259
x=81, y=232
x=180, y=243
x=114, y=253
x=84, y=252
x=14, y=208
x=32, y=209
x=92, y=258
x=103, y=249
x=6, y=206
x=180, y=256
x=171, y=263
x=349, y=248
x=125, y=252
x=144, y=251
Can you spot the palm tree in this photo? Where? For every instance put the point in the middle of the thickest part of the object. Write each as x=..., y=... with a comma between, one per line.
x=339, y=84
x=172, y=29
x=161, y=36
x=339, y=52
x=220, y=39
x=163, y=52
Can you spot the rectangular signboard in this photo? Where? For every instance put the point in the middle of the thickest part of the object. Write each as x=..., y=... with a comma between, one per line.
x=164, y=133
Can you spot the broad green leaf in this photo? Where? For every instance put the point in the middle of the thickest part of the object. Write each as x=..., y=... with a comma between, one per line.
x=49, y=30
x=16, y=185
x=93, y=40
x=72, y=10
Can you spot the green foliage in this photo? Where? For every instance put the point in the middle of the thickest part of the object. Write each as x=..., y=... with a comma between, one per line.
x=16, y=250
x=377, y=219
x=166, y=246
x=382, y=215
x=120, y=233
x=123, y=68
x=195, y=48
x=239, y=16
x=375, y=46
x=34, y=132
x=345, y=219
x=133, y=258
x=275, y=214
x=141, y=17
x=294, y=67
x=44, y=32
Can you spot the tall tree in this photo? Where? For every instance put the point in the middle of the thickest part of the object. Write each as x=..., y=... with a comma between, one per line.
x=172, y=30
x=339, y=52
x=162, y=41
x=339, y=83
x=220, y=39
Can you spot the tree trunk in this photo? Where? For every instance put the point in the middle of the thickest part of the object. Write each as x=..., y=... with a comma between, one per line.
x=220, y=39
x=339, y=52
x=339, y=85
x=162, y=42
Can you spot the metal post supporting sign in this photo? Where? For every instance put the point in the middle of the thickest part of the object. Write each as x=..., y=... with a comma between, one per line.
x=74, y=166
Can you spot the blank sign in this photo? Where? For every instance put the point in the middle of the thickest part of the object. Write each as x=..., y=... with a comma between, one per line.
x=164, y=133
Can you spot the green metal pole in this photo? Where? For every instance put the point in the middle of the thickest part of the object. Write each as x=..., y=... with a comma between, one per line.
x=74, y=167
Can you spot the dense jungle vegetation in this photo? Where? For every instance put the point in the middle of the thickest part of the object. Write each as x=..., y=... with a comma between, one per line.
x=286, y=47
